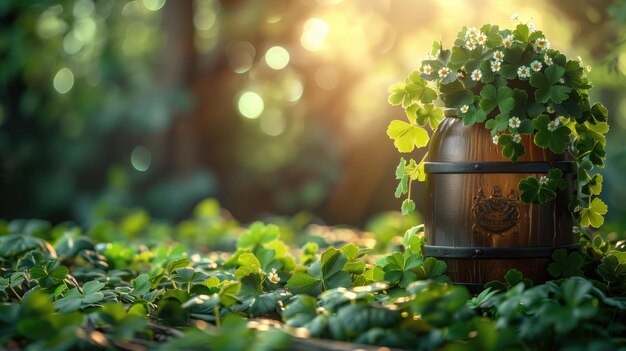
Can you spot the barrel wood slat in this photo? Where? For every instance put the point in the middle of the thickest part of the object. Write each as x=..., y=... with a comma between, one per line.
x=476, y=213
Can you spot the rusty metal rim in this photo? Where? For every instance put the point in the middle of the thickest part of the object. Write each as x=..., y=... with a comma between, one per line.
x=497, y=167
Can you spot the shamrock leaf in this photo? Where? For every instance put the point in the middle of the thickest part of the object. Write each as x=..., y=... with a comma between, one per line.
x=501, y=97
x=521, y=33
x=458, y=58
x=613, y=269
x=598, y=113
x=547, y=85
x=565, y=265
x=414, y=239
x=473, y=116
x=416, y=171
x=510, y=149
x=417, y=89
x=498, y=124
x=258, y=234
x=408, y=207
x=455, y=95
x=403, y=185
x=494, y=38
x=429, y=114
x=414, y=89
x=532, y=192
x=512, y=278
x=431, y=269
x=75, y=299
x=398, y=268
x=594, y=214
x=556, y=140
x=322, y=275
x=407, y=136
x=49, y=274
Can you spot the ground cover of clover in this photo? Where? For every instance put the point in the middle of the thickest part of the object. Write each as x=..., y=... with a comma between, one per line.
x=209, y=283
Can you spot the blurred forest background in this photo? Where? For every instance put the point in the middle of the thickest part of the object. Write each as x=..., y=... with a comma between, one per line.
x=271, y=107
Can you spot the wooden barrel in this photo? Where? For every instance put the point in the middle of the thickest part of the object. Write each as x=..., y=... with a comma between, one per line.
x=474, y=219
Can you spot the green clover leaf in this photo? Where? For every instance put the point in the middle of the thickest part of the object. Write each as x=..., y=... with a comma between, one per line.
x=565, y=265
x=429, y=114
x=473, y=116
x=407, y=136
x=547, y=85
x=501, y=97
x=408, y=207
x=556, y=140
x=594, y=214
x=510, y=149
x=532, y=192
x=399, y=268
x=498, y=124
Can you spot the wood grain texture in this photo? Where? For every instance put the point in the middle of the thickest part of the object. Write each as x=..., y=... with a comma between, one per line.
x=451, y=197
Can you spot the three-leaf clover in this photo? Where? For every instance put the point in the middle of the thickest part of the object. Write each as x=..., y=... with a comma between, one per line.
x=556, y=139
x=399, y=268
x=501, y=97
x=594, y=214
x=407, y=136
x=548, y=86
x=322, y=275
x=565, y=265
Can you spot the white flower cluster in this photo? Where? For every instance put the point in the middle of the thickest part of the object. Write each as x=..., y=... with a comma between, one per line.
x=543, y=180
x=473, y=38
x=553, y=125
x=496, y=64
x=464, y=108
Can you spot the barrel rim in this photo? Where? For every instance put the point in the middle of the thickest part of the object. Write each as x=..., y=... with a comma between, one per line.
x=494, y=252
x=497, y=167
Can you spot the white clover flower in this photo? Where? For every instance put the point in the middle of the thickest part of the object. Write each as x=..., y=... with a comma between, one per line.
x=523, y=72
x=517, y=138
x=531, y=27
x=562, y=81
x=536, y=66
x=547, y=59
x=553, y=125
x=476, y=75
x=542, y=43
x=508, y=41
x=576, y=230
x=550, y=109
x=273, y=276
x=514, y=17
x=498, y=55
x=543, y=180
x=443, y=72
x=464, y=108
x=514, y=122
x=471, y=32
x=470, y=45
x=495, y=66
x=426, y=69
x=481, y=38
x=587, y=68
x=495, y=139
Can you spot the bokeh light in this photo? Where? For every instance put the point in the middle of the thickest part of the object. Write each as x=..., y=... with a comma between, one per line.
x=314, y=34
x=277, y=57
x=250, y=104
x=141, y=158
x=273, y=122
x=153, y=5
x=63, y=80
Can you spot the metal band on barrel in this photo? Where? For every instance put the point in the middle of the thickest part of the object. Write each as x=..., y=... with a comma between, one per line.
x=497, y=167
x=493, y=252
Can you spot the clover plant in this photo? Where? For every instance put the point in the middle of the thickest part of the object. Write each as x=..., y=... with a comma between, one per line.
x=516, y=85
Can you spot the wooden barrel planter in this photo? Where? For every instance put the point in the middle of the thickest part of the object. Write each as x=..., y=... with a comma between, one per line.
x=474, y=219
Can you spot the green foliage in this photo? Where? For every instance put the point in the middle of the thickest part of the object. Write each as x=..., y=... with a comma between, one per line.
x=169, y=298
x=548, y=87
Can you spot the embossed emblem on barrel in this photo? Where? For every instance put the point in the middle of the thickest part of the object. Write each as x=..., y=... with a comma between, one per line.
x=495, y=214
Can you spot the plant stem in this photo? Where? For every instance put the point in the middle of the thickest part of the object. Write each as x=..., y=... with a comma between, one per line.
x=216, y=311
x=15, y=293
